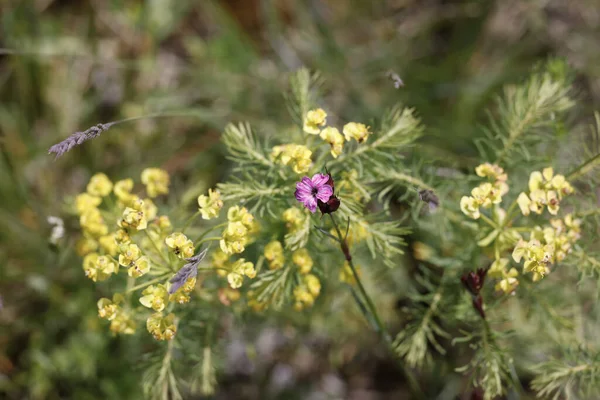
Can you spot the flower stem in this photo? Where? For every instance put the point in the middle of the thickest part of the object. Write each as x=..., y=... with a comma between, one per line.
x=143, y=285
x=208, y=231
x=370, y=308
x=156, y=247
x=189, y=221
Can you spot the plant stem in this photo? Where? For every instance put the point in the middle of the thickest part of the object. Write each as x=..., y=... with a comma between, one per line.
x=143, y=285
x=374, y=317
x=208, y=231
x=488, y=221
x=189, y=221
x=156, y=247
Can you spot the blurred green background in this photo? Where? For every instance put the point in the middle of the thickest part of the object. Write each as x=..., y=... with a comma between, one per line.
x=67, y=65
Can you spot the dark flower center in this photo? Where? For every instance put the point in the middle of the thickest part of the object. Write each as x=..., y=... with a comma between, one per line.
x=315, y=191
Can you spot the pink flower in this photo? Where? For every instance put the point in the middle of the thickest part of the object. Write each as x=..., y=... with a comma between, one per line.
x=308, y=191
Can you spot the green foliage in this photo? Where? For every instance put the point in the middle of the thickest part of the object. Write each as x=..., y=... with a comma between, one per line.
x=574, y=376
x=527, y=115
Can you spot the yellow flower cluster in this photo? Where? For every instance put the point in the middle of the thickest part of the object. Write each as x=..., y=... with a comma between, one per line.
x=180, y=245
x=547, y=245
x=120, y=320
x=314, y=120
x=508, y=278
x=357, y=131
x=306, y=292
x=487, y=193
x=239, y=269
x=105, y=252
x=302, y=260
x=210, y=205
x=237, y=234
x=346, y=274
x=294, y=155
x=335, y=139
x=155, y=297
x=131, y=256
x=99, y=268
x=294, y=219
x=156, y=181
x=274, y=254
x=545, y=190
x=182, y=295
x=161, y=328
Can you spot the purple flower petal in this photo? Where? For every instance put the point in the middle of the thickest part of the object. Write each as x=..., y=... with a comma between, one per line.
x=319, y=179
x=324, y=193
x=311, y=204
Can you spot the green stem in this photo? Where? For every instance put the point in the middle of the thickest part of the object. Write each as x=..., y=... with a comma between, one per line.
x=370, y=307
x=189, y=221
x=208, y=239
x=210, y=230
x=143, y=285
x=156, y=247
x=488, y=221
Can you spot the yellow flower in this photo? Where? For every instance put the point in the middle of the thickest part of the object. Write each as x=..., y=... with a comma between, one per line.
x=164, y=223
x=109, y=244
x=470, y=207
x=155, y=297
x=486, y=195
x=491, y=171
x=122, y=189
x=313, y=120
x=107, y=265
x=234, y=238
x=134, y=219
x=346, y=274
x=357, y=131
x=509, y=281
x=303, y=260
x=99, y=268
x=85, y=202
x=294, y=155
x=122, y=323
x=181, y=296
x=139, y=267
x=220, y=262
x=524, y=203
x=240, y=268
x=335, y=140
x=498, y=268
x=161, y=328
x=85, y=246
x=156, y=181
x=91, y=221
x=107, y=308
x=122, y=237
x=129, y=253
x=99, y=185
x=274, y=254
x=306, y=293
x=149, y=209
x=537, y=256
x=180, y=245
x=294, y=218
x=210, y=205
x=552, y=202
x=535, y=181
x=240, y=214
x=189, y=285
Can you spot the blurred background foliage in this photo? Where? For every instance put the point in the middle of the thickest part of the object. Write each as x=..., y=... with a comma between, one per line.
x=67, y=65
